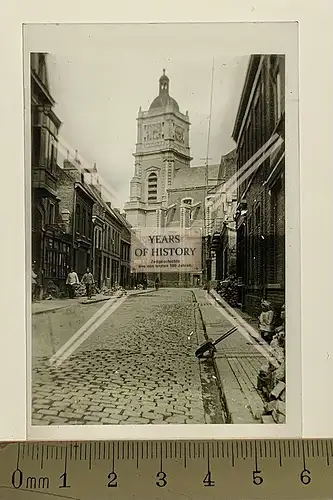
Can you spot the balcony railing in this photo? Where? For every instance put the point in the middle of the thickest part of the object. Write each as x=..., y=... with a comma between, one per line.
x=43, y=179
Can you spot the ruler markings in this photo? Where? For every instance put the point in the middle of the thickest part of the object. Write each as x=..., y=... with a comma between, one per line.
x=303, y=456
x=185, y=455
x=308, y=451
x=90, y=457
x=232, y=456
x=42, y=457
x=113, y=457
x=256, y=456
x=18, y=455
x=137, y=455
x=160, y=457
x=280, y=454
x=327, y=455
x=298, y=448
x=208, y=460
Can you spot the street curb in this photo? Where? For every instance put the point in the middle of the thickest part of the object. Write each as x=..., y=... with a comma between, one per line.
x=70, y=305
x=141, y=292
x=98, y=300
x=216, y=370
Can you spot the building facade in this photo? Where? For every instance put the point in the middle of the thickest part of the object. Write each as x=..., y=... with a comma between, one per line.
x=76, y=207
x=50, y=243
x=189, y=204
x=162, y=149
x=260, y=214
x=223, y=228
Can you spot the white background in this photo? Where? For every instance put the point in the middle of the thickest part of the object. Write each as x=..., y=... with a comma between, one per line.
x=316, y=106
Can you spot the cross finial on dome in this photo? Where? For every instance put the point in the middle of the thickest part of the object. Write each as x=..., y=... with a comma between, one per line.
x=163, y=72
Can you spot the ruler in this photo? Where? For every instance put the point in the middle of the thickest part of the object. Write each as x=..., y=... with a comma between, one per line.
x=262, y=469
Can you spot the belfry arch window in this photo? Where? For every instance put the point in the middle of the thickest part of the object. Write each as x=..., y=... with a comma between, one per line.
x=186, y=212
x=152, y=187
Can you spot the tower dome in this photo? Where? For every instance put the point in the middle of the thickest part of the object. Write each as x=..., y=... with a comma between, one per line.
x=164, y=99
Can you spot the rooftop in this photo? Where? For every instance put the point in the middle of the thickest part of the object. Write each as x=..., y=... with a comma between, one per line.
x=191, y=177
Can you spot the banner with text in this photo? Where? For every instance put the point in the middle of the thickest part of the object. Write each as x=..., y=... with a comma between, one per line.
x=166, y=250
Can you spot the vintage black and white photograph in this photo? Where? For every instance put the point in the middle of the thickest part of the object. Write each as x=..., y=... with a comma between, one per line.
x=156, y=239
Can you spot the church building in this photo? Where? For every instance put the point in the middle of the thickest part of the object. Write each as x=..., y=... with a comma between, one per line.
x=162, y=149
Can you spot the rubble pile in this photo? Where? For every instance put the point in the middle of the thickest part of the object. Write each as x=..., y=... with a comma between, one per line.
x=271, y=382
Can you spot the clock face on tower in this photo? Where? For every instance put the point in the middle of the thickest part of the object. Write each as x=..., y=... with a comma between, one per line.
x=152, y=132
x=179, y=134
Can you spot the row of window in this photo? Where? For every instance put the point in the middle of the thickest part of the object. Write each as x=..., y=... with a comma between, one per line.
x=43, y=149
x=261, y=250
x=83, y=222
x=125, y=252
x=109, y=239
x=56, y=259
x=263, y=116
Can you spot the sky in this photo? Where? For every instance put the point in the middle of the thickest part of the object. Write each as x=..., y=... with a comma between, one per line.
x=100, y=75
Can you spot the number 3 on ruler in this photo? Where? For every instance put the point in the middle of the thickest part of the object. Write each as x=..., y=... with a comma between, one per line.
x=161, y=476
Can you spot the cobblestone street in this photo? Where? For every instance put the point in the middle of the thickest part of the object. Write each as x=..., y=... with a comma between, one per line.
x=137, y=367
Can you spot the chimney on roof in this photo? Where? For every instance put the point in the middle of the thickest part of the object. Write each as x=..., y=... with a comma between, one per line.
x=109, y=204
x=77, y=157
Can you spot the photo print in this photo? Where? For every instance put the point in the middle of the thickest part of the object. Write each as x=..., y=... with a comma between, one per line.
x=156, y=249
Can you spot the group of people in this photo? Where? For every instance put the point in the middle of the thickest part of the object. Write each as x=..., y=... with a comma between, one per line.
x=73, y=281
x=144, y=283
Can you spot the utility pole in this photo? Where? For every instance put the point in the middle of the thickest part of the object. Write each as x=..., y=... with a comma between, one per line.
x=206, y=243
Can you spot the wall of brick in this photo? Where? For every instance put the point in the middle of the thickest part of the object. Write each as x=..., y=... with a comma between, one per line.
x=261, y=235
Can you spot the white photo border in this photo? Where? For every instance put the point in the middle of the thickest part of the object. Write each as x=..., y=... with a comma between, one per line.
x=263, y=38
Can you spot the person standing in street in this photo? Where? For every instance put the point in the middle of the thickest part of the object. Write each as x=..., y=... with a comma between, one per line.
x=157, y=283
x=266, y=317
x=34, y=283
x=71, y=282
x=89, y=281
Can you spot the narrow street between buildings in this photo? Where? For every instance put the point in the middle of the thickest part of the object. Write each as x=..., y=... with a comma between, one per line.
x=125, y=361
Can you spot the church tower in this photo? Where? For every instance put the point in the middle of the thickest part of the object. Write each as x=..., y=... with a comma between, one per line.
x=162, y=149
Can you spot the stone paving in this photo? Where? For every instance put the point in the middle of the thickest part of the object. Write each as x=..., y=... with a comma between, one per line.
x=138, y=367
